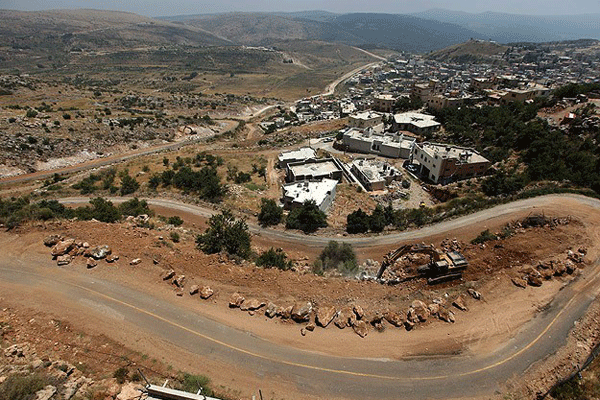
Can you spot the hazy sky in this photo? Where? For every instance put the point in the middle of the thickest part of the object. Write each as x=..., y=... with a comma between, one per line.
x=177, y=7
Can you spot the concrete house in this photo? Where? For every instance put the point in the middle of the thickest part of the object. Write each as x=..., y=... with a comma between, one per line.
x=374, y=174
x=445, y=164
x=391, y=145
x=313, y=169
x=321, y=192
x=415, y=122
x=364, y=120
x=294, y=156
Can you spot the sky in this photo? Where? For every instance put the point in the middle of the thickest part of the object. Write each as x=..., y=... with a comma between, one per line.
x=154, y=8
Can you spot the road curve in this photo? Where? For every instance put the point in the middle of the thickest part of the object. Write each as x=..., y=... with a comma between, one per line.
x=368, y=241
x=464, y=375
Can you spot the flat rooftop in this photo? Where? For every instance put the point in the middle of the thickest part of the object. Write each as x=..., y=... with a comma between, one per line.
x=416, y=119
x=302, y=191
x=300, y=154
x=314, y=169
x=445, y=151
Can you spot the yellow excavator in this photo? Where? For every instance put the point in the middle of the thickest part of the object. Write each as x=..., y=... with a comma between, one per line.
x=442, y=267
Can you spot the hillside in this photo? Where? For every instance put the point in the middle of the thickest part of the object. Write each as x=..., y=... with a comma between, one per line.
x=66, y=30
x=403, y=32
x=265, y=28
x=507, y=28
x=470, y=51
x=398, y=32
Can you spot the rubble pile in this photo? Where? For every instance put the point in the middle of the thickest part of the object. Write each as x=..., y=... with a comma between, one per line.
x=65, y=250
x=546, y=270
x=354, y=316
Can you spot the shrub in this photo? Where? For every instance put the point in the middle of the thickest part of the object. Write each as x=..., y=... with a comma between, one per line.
x=101, y=209
x=483, y=237
x=175, y=220
x=175, y=237
x=121, y=375
x=273, y=258
x=31, y=113
x=340, y=257
x=66, y=116
x=308, y=218
x=225, y=233
x=357, y=222
x=19, y=387
x=135, y=207
x=193, y=383
x=270, y=213
x=128, y=184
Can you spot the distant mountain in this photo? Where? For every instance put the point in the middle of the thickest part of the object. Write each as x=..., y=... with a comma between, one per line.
x=265, y=29
x=403, y=32
x=65, y=30
x=398, y=32
x=471, y=51
x=508, y=28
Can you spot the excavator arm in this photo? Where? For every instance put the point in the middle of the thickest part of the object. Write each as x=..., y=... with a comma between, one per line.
x=393, y=256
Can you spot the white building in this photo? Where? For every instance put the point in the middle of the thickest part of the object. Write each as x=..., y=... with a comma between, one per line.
x=392, y=145
x=443, y=163
x=367, y=119
x=415, y=122
x=321, y=192
x=293, y=156
x=374, y=174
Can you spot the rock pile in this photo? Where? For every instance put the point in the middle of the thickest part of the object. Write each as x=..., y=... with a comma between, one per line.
x=545, y=271
x=65, y=250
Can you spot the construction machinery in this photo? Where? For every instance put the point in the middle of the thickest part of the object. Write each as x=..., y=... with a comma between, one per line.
x=442, y=267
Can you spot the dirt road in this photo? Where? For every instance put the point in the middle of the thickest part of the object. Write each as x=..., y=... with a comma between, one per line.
x=308, y=373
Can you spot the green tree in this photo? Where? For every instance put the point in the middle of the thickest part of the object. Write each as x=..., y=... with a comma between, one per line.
x=101, y=209
x=135, y=207
x=377, y=220
x=128, y=184
x=225, y=233
x=339, y=256
x=270, y=213
x=357, y=222
x=308, y=218
x=274, y=258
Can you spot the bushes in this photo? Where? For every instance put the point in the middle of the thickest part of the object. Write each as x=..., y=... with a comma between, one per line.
x=101, y=210
x=175, y=220
x=274, y=258
x=308, y=218
x=225, y=233
x=483, y=237
x=193, y=383
x=128, y=184
x=270, y=213
x=337, y=256
x=361, y=222
x=135, y=207
x=19, y=387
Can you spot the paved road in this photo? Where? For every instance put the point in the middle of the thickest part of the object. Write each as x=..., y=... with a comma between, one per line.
x=465, y=375
x=362, y=242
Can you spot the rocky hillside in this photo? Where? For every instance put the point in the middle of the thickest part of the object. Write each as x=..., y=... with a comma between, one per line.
x=76, y=30
x=471, y=51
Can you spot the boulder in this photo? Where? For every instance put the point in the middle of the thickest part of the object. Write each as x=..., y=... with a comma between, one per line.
x=421, y=310
x=194, y=289
x=546, y=273
x=310, y=327
x=394, y=318
x=301, y=311
x=535, y=280
x=168, y=274
x=14, y=351
x=52, y=240
x=341, y=319
x=361, y=328
x=252, y=305
x=271, y=310
x=135, y=261
x=63, y=247
x=376, y=320
x=358, y=311
x=434, y=309
x=63, y=260
x=206, y=292
x=411, y=316
x=179, y=281
x=325, y=315
x=179, y=291
x=285, y=312
x=111, y=258
x=91, y=263
x=99, y=252
x=474, y=294
x=46, y=393
x=446, y=315
x=130, y=391
x=559, y=269
x=409, y=325
x=459, y=303
x=570, y=267
x=522, y=283
x=236, y=300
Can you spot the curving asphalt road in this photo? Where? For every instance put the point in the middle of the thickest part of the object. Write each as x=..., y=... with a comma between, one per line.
x=464, y=375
